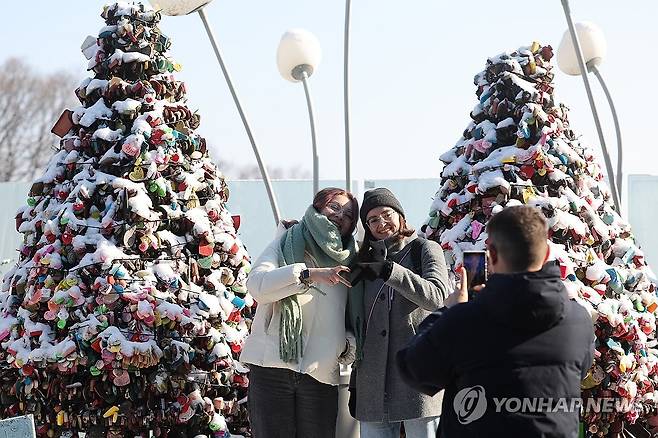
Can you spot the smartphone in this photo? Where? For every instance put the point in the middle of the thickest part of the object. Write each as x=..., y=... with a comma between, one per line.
x=475, y=263
x=355, y=274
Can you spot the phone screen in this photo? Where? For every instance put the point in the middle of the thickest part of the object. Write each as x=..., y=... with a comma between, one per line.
x=475, y=263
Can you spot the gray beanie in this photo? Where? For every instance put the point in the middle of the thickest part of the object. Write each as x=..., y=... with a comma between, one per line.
x=379, y=197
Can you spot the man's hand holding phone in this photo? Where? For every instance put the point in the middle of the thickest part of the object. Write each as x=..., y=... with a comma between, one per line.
x=461, y=294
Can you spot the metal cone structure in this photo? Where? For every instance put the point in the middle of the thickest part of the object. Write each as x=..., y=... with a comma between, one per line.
x=127, y=309
x=519, y=148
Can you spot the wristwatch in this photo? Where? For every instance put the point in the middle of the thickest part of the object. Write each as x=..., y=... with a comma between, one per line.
x=305, y=276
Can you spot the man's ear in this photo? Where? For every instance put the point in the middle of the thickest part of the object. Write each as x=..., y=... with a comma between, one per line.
x=493, y=255
x=548, y=254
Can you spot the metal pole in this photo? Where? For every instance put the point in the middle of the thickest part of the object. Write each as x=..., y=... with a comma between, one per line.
x=261, y=166
x=588, y=89
x=316, y=159
x=346, y=97
x=594, y=69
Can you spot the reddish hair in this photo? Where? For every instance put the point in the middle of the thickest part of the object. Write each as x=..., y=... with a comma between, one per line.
x=325, y=196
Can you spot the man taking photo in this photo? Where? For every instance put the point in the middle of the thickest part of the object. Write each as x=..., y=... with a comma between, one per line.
x=521, y=339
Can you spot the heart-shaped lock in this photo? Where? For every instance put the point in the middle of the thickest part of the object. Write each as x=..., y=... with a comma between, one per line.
x=206, y=249
x=192, y=202
x=205, y=262
x=121, y=378
x=137, y=174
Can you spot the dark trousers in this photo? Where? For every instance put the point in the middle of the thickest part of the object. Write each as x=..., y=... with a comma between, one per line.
x=286, y=404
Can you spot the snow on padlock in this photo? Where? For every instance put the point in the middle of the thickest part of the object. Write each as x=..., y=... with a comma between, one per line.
x=221, y=350
x=650, y=301
x=597, y=273
x=145, y=312
x=609, y=309
x=213, y=304
x=132, y=145
x=218, y=423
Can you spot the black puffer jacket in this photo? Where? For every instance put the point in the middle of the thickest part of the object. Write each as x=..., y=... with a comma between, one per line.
x=520, y=338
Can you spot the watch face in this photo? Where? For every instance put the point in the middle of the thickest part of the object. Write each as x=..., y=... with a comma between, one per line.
x=306, y=274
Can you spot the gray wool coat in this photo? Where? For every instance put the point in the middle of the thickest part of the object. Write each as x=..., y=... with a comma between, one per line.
x=393, y=310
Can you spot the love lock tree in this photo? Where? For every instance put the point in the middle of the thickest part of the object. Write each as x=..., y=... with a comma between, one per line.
x=127, y=309
x=520, y=149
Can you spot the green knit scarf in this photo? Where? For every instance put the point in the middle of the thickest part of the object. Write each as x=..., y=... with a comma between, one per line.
x=319, y=237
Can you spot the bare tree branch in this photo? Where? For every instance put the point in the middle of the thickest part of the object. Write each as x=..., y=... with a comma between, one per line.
x=30, y=104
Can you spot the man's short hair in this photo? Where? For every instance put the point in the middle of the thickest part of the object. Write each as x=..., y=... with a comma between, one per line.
x=519, y=236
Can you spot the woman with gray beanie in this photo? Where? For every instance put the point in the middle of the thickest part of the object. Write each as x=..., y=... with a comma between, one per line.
x=403, y=279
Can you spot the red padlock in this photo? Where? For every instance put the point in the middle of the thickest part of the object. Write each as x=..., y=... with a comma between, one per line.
x=527, y=171
x=236, y=221
x=67, y=238
x=235, y=316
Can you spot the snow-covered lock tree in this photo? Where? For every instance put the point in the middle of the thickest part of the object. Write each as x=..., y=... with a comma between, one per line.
x=519, y=148
x=127, y=309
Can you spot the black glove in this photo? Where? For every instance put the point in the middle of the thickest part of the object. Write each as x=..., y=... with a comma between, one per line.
x=356, y=274
x=374, y=270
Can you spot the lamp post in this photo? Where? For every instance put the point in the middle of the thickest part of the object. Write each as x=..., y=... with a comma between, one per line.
x=346, y=96
x=185, y=7
x=298, y=57
x=570, y=48
x=594, y=50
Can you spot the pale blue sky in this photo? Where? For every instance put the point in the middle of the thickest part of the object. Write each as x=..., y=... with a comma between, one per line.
x=412, y=69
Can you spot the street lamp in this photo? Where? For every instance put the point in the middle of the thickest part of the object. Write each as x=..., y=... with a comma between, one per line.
x=185, y=7
x=346, y=95
x=594, y=50
x=571, y=50
x=298, y=57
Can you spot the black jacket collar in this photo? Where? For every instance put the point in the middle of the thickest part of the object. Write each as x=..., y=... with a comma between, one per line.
x=532, y=301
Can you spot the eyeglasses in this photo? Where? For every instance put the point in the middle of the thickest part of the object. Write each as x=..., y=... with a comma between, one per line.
x=375, y=221
x=337, y=208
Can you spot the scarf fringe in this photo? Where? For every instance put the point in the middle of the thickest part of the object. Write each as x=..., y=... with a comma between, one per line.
x=321, y=238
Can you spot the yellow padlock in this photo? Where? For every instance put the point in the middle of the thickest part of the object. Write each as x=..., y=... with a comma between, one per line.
x=528, y=194
x=114, y=410
x=60, y=418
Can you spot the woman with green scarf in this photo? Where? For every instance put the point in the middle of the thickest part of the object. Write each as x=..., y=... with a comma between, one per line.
x=298, y=335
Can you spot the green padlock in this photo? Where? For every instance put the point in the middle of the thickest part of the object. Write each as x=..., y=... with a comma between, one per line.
x=205, y=262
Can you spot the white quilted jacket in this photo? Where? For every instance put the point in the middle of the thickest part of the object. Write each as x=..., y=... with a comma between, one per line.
x=323, y=318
